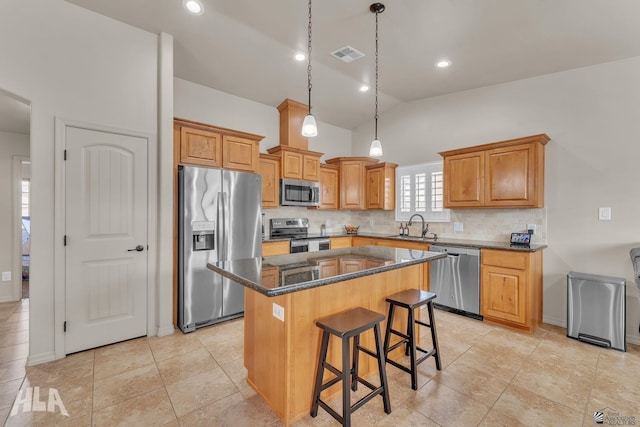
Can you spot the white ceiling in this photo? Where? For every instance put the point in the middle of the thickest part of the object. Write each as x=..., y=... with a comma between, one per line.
x=245, y=47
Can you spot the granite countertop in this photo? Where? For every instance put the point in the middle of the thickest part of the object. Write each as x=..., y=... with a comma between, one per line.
x=445, y=241
x=296, y=272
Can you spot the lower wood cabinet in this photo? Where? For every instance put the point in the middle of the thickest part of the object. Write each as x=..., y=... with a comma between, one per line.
x=340, y=242
x=362, y=241
x=511, y=288
x=281, y=247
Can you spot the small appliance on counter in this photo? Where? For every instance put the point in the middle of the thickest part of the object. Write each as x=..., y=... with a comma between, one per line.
x=520, y=239
x=297, y=229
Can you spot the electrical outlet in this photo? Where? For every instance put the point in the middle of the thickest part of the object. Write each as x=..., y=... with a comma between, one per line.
x=371, y=223
x=6, y=276
x=278, y=312
x=531, y=228
x=604, y=214
x=458, y=227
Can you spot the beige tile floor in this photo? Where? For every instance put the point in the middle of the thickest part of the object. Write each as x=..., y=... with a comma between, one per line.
x=491, y=376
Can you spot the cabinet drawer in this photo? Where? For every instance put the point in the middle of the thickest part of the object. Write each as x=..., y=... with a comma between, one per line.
x=506, y=259
x=275, y=248
x=340, y=242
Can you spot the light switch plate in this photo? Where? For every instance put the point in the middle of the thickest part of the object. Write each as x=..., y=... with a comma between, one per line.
x=604, y=214
x=278, y=312
x=6, y=276
x=458, y=226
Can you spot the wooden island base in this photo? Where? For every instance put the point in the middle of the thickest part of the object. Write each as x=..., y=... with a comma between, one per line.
x=281, y=357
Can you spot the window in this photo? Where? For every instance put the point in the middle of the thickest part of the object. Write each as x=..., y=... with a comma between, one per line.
x=25, y=197
x=419, y=189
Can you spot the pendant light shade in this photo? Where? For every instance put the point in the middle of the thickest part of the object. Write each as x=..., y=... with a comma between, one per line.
x=376, y=146
x=309, y=126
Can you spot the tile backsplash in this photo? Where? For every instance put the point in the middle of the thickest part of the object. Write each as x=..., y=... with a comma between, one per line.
x=494, y=225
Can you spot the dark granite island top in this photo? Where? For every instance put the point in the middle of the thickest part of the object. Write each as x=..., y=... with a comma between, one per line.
x=282, y=274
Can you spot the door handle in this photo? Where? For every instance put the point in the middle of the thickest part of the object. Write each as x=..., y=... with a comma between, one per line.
x=138, y=248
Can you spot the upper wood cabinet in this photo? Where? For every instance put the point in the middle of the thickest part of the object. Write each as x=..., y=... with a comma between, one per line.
x=296, y=163
x=505, y=174
x=200, y=144
x=329, y=187
x=352, y=180
x=269, y=169
x=240, y=153
x=381, y=186
x=464, y=180
x=200, y=147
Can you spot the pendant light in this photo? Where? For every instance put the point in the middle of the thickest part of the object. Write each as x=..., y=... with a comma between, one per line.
x=376, y=146
x=309, y=127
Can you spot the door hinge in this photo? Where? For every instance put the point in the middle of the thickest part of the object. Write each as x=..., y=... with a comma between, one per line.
x=64, y=327
x=64, y=240
x=65, y=154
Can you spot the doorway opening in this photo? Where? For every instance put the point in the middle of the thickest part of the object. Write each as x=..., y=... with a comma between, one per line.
x=25, y=227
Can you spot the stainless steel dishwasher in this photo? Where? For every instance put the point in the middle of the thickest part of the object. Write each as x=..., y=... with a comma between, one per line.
x=456, y=280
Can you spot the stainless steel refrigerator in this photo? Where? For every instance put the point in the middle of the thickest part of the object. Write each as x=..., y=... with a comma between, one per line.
x=219, y=219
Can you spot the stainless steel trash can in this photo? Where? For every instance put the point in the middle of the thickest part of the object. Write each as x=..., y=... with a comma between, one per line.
x=596, y=310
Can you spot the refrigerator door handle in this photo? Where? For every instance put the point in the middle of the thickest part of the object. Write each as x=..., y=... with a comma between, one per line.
x=224, y=226
x=220, y=230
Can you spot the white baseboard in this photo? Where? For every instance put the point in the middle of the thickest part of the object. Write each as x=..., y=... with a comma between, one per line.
x=631, y=339
x=36, y=359
x=7, y=299
x=554, y=321
x=166, y=330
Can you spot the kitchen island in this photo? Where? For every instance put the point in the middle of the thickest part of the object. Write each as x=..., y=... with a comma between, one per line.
x=286, y=294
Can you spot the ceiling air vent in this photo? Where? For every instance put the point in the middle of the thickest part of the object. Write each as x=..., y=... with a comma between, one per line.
x=347, y=54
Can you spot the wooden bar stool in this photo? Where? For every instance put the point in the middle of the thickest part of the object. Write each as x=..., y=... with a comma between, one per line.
x=411, y=299
x=347, y=325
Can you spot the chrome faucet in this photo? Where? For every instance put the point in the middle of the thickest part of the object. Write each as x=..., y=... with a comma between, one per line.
x=425, y=226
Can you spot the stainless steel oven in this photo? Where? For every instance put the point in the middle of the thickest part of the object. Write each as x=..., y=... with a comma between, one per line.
x=311, y=244
x=296, y=229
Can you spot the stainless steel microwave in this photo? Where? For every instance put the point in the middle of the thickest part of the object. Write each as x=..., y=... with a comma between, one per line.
x=299, y=193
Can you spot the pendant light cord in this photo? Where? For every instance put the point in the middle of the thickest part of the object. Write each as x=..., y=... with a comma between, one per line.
x=376, y=116
x=309, y=58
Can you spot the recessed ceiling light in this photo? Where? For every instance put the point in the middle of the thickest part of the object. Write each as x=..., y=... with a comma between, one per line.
x=194, y=7
x=444, y=63
x=364, y=88
x=300, y=56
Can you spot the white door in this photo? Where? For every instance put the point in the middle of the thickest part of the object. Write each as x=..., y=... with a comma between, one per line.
x=106, y=220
